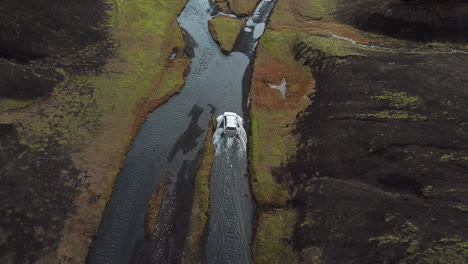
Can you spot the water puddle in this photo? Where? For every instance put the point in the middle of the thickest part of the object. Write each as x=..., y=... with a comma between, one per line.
x=173, y=56
x=282, y=87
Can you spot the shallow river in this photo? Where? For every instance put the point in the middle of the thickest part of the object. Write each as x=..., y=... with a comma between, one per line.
x=169, y=144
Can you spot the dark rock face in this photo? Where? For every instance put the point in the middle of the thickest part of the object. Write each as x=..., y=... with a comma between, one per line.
x=31, y=30
x=38, y=37
x=41, y=43
x=380, y=174
x=423, y=20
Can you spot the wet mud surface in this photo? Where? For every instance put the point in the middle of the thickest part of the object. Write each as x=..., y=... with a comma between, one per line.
x=380, y=172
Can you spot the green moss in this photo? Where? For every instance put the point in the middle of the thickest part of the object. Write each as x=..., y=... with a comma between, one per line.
x=6, y=104
x=454, y=190
x=265, y=156
x=328, y=46
x=295, y=14
x=69, y=123
x=453, y=157
x=447, y=240
x=224, y=30
x=279, y=45
x=409, y=228
x=399, y=100
x=446, y=158
x=143, y=16
x=392, y=115
x=408, y=232
x=413, y=247
x=427, y=189
x=283, y=14
x=445, y=251
x=456, y=253
x=386, y=239
x=170, y=83
x=391, y=217
x=273, y=235
x=317, y=9
x=461, y=208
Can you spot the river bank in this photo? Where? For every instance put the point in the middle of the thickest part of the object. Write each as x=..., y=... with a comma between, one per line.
x=70, y=143
x=216, y=84
x=196, y=245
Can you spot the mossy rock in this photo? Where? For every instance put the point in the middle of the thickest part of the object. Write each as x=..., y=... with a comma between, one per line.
x=224, y=31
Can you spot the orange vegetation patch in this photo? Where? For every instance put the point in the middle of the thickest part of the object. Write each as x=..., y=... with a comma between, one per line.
x=272, y=116
x=270, y=71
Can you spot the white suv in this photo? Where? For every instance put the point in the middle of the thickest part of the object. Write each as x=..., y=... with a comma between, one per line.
x=230, y=124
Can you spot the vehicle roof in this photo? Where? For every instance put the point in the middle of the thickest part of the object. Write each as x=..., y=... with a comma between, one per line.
x=230, y=114
x=231, y=119
x=231, y=122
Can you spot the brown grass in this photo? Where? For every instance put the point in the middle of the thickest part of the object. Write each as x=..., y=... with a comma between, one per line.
x=154, y=208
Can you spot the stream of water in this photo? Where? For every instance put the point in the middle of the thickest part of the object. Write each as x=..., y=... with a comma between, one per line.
x=169, y=144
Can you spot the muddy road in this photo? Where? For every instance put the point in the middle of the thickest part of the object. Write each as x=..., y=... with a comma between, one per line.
x=169, y=145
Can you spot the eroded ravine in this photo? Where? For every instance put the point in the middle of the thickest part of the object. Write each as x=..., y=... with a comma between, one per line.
x=169, y=145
